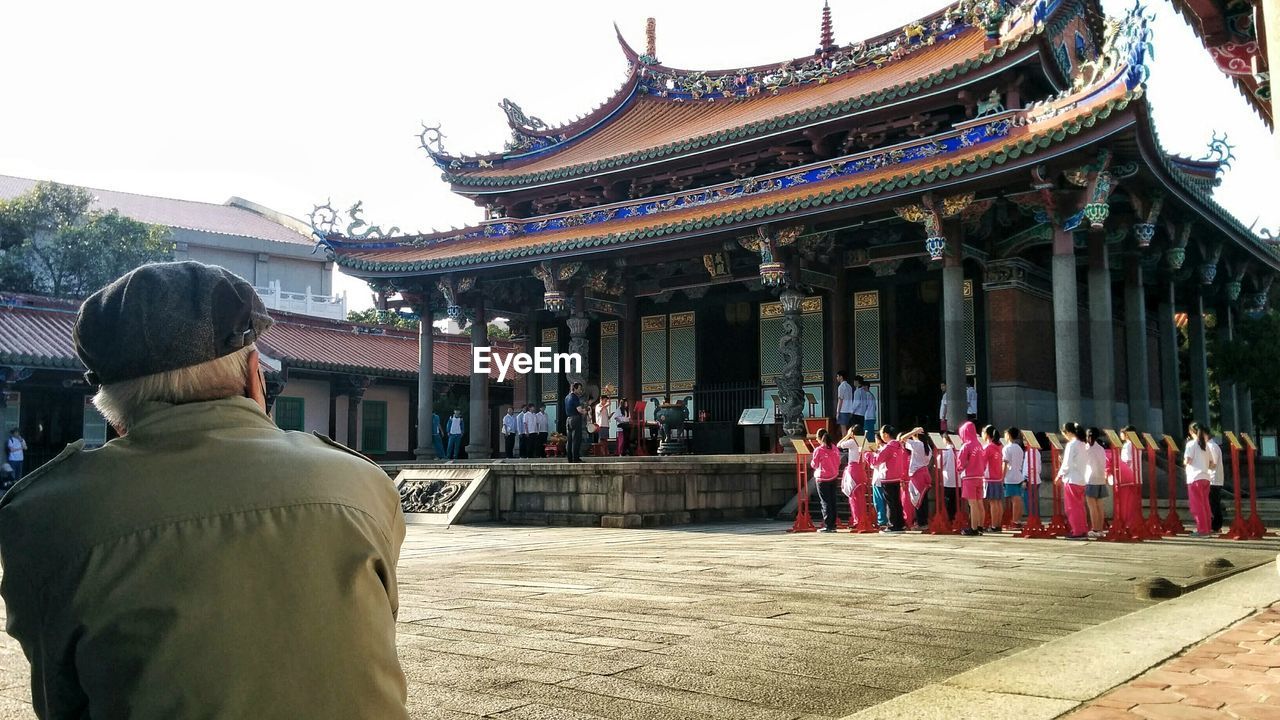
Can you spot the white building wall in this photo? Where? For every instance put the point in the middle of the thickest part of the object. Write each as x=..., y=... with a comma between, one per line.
x=315, y=397
x=397, y=400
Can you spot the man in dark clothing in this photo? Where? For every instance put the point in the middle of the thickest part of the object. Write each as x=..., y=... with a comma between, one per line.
x=573, y=423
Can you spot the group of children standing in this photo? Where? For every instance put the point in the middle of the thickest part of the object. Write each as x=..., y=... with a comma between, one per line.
x=986, y=473
x=981, y=472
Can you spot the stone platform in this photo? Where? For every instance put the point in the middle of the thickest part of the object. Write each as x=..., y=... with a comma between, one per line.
x=627, y=492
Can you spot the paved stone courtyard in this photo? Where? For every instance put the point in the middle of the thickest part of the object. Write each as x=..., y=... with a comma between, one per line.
x=728, y=621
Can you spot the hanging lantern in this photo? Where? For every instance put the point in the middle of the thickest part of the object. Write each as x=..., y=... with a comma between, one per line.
x=936, y=247
x=1097, y=213
x=1175, y=257
x=1145, y=233
x=454, y=312
x=772, y=274
x=1233, y=290
x=553, y=301
x=1257, y=304
x=1208, y=272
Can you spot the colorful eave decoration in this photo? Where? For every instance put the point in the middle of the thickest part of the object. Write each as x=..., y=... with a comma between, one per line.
x=976, y=146
x=648, y=78
x=1236, y=44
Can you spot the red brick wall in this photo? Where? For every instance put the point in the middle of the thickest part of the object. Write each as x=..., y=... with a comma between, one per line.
x=1018, y=348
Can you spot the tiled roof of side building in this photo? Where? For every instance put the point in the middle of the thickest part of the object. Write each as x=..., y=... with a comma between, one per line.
x=314, y=343
x=641, y=125
x=185, y=214
x=35, y=332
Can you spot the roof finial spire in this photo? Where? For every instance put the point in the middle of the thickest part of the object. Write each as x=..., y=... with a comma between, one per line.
x=651, y=38
x=827, y=42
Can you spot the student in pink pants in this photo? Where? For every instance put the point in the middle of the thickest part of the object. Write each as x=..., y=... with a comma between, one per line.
x=1072, y=476
x=1127, y=478
x=854, y=482
x=1199, y=461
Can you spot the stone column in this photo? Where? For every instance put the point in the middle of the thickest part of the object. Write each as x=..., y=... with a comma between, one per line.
x=1198, y=359
x=1102, y=347
x=1135, y=338
x=355, y=395
x=1227, y=392
x=1170, y=385
x=426, y=381
x=578, y=343
x=532, y=384
x=631, y=351
x=1244, y=410
x=1066, y=325
x=953, y=337
x=479, y=448
x=838, y=301
x=791, y=381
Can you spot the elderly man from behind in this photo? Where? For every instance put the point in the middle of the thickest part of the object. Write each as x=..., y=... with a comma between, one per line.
x=205, y=563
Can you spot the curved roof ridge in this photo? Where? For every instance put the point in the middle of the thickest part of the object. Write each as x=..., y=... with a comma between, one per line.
x=647, y=76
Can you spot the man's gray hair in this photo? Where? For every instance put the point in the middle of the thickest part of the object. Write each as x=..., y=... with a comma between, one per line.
x=223, y=377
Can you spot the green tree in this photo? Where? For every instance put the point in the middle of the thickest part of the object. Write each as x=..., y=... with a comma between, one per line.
x=494, y=332
x=387, y=318
x=1247, y=359
x=52, y=242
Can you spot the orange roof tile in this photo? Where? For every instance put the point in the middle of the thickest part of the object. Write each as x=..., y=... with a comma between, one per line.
x=1041, y=122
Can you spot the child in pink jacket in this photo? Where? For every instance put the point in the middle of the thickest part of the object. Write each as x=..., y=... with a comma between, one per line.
x=826, y=473
x=971, y=463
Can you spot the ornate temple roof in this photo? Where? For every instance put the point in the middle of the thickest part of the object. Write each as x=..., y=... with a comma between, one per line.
x=661, y=111
x=1233, y=32
x=1110, y=101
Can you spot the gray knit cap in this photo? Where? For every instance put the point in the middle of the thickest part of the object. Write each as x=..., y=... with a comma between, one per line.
x=166, y=316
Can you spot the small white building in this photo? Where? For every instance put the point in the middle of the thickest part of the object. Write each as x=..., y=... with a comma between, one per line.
x=272, y=250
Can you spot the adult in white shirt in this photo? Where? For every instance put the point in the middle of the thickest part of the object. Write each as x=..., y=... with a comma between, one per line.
x=1200, y=463
x=510, y=431
x=540, y=432
x=844, y=403
x=864, y=406
x=16, y=450
x=971, y=400
x=1071, y=473
x=528, y=433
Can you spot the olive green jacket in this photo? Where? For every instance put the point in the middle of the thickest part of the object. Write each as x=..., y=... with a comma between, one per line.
x=209, y=565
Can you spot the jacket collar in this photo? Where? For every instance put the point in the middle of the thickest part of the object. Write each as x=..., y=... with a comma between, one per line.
x=158, y=418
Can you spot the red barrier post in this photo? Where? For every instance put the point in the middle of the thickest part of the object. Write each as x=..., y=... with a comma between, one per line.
x=803, y=522
x=1155, y=529
x=1239, y=529
x=938, y=523
x=1119, y=531
x=1033, y=528
x=1172, y=523
x=1257, y=528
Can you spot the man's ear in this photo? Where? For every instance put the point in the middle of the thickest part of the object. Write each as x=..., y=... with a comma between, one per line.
x=255, y=388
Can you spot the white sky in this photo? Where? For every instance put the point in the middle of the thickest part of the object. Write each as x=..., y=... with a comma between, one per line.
x=288, y=103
